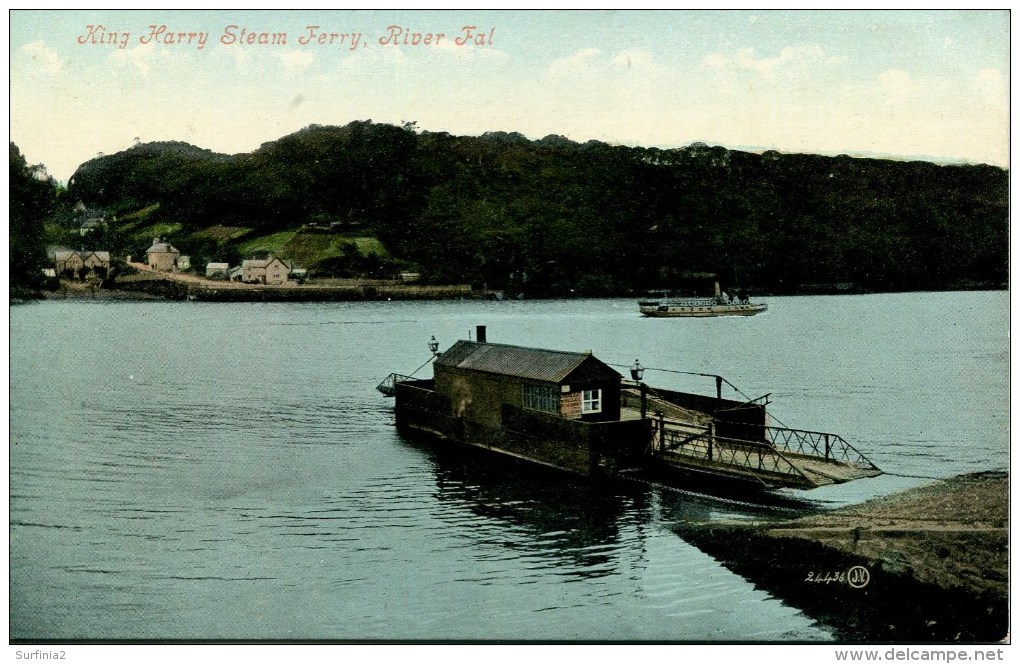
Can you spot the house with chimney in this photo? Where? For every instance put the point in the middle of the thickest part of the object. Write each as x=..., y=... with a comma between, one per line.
x=270, y=271
x=163, y=256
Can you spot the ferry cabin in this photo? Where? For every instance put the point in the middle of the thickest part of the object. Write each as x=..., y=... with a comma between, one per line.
x=480, y=378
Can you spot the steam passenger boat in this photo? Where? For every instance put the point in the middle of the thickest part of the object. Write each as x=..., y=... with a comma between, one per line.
x=573, y=412
x=700, y=307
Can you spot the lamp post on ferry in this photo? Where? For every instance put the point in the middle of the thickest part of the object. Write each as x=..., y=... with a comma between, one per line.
x=637, y=372
x=434, y=345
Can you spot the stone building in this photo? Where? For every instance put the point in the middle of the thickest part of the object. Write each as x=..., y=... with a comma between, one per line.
x=271, y=271
x=162, y=256
x=69, y=264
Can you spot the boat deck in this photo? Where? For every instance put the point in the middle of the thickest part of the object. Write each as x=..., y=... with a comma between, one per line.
x=738, y=458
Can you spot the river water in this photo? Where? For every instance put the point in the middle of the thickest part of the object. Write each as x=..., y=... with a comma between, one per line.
x=194, y=471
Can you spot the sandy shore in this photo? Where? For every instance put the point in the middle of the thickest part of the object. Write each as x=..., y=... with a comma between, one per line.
x=953, y=534
x=926, y=565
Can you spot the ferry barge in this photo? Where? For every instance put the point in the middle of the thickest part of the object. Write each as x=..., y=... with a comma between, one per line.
x=571, y=411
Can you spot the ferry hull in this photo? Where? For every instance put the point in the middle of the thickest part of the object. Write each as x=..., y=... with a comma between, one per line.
x=671, y=311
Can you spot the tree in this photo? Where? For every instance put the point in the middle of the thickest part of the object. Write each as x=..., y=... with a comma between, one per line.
x=33, y=196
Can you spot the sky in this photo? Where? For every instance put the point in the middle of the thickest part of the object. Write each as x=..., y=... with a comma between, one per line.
x=928, y=85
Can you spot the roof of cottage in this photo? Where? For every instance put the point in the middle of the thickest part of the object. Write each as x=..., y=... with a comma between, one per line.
x=261, y=262
x=553, y=366
x=64, y=255
x=160, y=247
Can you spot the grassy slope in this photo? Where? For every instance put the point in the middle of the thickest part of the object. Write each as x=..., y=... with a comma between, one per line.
x=307, y=249
x=304, y=248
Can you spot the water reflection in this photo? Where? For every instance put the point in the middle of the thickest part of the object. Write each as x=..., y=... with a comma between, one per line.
x=586, y=527
x=561, y=522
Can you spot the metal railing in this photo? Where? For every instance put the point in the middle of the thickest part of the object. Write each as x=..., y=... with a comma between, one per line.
x=828, y=446
x=389, y=384
x=700, y=444
x=685, y=302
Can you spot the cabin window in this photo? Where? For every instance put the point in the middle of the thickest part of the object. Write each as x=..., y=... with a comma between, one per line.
x=591, y=401
x=542, y=397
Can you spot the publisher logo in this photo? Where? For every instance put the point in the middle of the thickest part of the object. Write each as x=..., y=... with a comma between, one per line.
x=858, y=577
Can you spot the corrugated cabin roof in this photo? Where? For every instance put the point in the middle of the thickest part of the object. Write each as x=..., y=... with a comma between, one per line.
x=553, y=366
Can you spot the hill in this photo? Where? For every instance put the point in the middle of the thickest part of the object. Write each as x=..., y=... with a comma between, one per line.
x=553, y=216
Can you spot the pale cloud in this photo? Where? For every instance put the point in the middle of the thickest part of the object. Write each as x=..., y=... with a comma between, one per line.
x=715, y=61
x=589, y=63
x=573, y=63
x=43, y=56
x=448, y=46
x=634, y=59
x=140, y=57
x=745, y=59
x=296, y=60
x=241, y=57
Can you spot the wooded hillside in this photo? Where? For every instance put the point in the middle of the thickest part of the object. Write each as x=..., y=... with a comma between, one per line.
x=553, y=217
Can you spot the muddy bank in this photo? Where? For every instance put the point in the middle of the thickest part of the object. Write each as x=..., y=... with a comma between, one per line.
x=927, y=565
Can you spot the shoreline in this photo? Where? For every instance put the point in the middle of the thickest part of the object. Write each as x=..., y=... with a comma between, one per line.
x=928, y=564
x=159, y=289
x=156, y=288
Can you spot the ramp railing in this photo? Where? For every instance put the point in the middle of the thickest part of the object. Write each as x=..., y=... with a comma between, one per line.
x=697, y=443
x=389, y=384
x=828, y=446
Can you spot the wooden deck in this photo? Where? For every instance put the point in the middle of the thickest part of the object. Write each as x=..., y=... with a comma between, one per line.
x=823, y=472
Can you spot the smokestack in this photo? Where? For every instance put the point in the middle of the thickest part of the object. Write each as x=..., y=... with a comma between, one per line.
x=480, y=334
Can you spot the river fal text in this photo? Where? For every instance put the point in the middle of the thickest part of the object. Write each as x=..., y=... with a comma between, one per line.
x=394, y=36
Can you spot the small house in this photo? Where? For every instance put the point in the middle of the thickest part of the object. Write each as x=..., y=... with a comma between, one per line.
x=216, y=270
x=271, y=271
x=96, y=263
x=70, y=264
x=162, y=256
x=479, y=378
x=559, y=408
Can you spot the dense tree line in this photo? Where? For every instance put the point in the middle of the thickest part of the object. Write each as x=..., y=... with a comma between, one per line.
x=33, y=197
x=553, y=216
